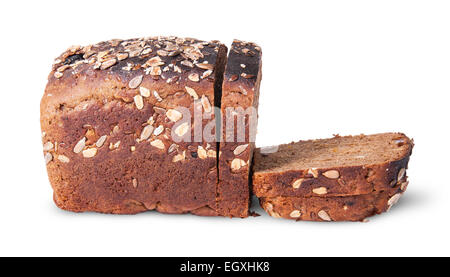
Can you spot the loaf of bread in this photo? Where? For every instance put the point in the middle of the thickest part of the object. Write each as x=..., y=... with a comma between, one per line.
x=348, y=178
x=239, y=106
x=117, y=128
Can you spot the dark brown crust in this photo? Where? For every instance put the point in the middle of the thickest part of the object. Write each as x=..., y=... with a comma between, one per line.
x=354, y=180
x=240, y=89
x=338, y=208
x=135, y=176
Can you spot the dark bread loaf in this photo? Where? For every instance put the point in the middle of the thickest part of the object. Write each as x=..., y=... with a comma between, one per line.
x=114, y=131
x=239, y=104
x=340, y=166
x=333, y=208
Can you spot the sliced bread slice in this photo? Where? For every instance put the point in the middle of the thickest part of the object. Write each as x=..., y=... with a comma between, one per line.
x=339, y=166
x=335, y=208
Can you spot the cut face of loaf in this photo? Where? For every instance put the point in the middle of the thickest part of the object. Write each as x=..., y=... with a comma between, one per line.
x=117, y=131
x=340, y=166
x=239, y=104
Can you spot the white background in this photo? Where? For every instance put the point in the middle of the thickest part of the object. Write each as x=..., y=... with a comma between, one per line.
x=329, y=67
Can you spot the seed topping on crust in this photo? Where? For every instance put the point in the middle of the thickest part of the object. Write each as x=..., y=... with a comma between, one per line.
x=158, y=144
x=182, y=129
x=206, y=104
x=194, y=77
x=135, y=82
x=240, y=149
x=145, y=92
x=48, y=146
x=101, y=140
x=237, y=163
x=63, y=159
x=146, y=132
x=139, y=101
x=48, y=158
x=80, y=145
x=192, y=92
x=201, y=152
x=174, y=115
x=90, y=152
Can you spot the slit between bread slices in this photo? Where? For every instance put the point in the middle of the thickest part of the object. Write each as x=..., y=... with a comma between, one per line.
x=218, y=83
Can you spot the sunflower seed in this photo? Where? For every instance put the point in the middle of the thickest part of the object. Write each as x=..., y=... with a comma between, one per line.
x=192, y=92
x=182, y=129
x=239, y=149
x=295, y=214
x=194, y=77
x=207, y=73
x=135, y=82
x=80, y=145
x=179, y=157
x=162, y=53
x=156, y=94
x=62, y=68
x=108, y=63
x=323, y=215
x=48, y=158
x=155, y=71
x=211, y=153
x=174, y=115
x=320, y=190
x=58, y=75
x=101, y=140
x=297, y=183
x=146, y=132
x=172, y=148
x=393, y=200
x=158, y=130
x=122, y=56
x=155, y=61
x=90, y=152
x=401, y=174
x=205, y=66
x=146, y=51
x=187, y=63
x=139, y=101
x=145, y=92
x=236, y=164
x=331, y=174
x=158, y=144
x=205, y=103
x=63, y=159
x=48, y=146
x=201, y=152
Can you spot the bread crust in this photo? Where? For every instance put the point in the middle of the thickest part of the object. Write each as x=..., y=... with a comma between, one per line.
x=349, y=180
x=337, y=208
x=240, y=90
x=129, y=161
